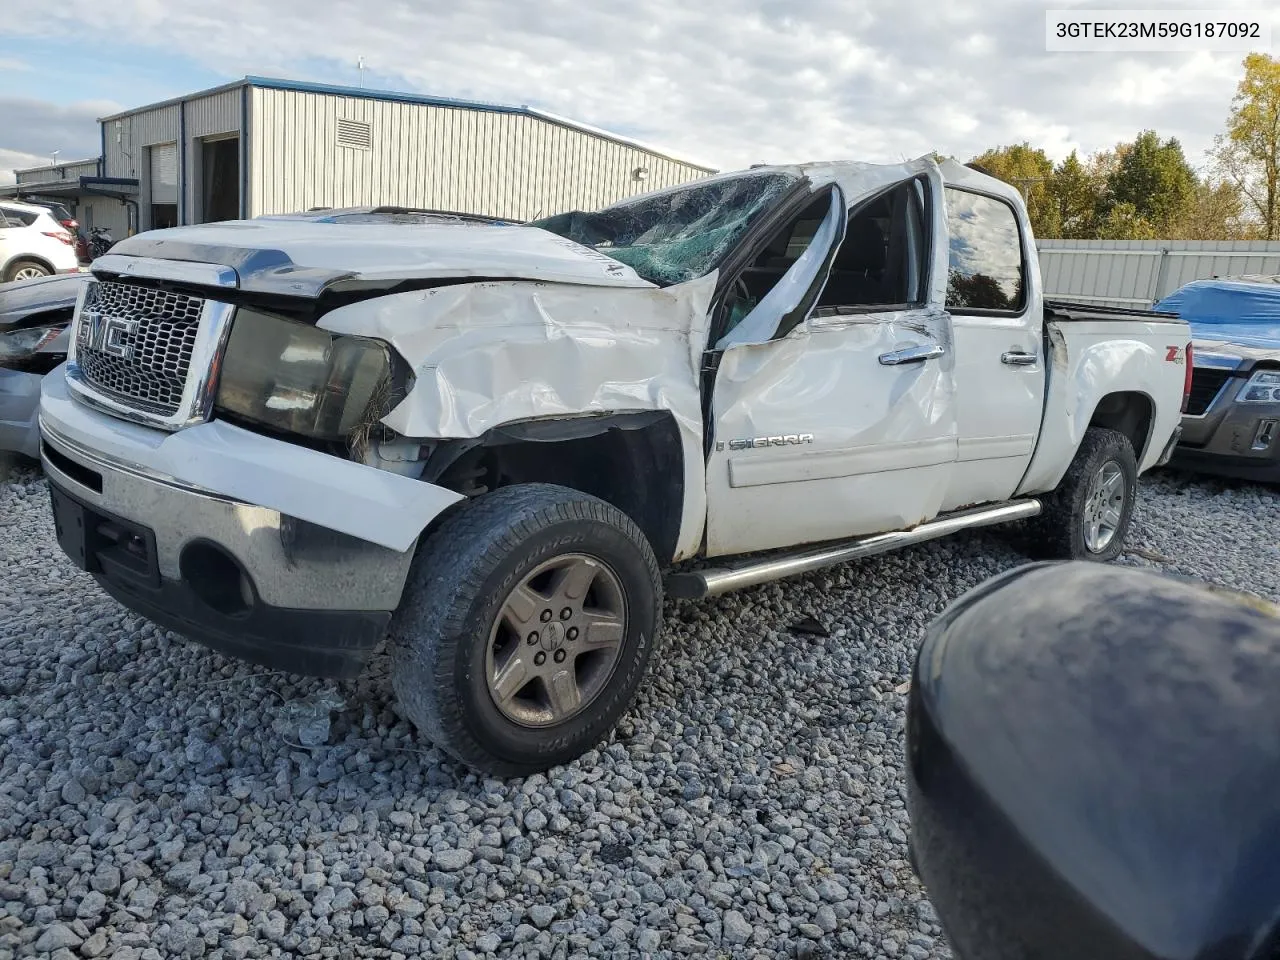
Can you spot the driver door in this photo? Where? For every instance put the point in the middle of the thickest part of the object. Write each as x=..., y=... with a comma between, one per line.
x=833, y=411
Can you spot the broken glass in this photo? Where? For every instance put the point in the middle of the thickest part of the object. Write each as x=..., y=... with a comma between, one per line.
x=677, y=234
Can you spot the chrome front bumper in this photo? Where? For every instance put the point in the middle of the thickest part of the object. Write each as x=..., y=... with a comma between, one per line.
x=290, y=562
x=249, y=581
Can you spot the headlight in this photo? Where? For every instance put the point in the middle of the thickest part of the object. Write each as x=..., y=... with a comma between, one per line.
x=300, y=379
x=23, y=344
x=1263, y=387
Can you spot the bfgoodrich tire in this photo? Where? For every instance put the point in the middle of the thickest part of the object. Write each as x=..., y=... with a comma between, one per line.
x=1087, y=517
x=525, y=628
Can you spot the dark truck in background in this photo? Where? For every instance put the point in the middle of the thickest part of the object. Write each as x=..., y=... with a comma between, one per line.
x=1232, y=422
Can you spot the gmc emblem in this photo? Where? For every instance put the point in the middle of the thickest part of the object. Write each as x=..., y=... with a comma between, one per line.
x=107, y=334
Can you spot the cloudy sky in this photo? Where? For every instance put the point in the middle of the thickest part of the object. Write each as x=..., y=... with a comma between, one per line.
x=726, y=82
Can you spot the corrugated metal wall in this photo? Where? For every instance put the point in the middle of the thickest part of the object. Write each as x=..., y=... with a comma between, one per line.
x=67, y=171
x=128, y=141
x=1137, y=273
x=125, y=158
x=502, y=164
x=106, y=212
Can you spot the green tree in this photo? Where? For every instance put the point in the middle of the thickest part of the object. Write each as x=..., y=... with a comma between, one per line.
x=1123, y=222
x=1078, y=193
x=1249, y=152
x=1031, y=171
x=1153, y=177
x=1216, y=212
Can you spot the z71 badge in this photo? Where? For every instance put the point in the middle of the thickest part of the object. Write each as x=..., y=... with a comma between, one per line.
x=785, y=440
x=1175, y=355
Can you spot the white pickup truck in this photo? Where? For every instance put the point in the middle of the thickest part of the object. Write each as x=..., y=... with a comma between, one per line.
x=291, y=437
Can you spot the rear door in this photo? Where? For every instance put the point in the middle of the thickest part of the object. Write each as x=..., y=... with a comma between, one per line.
x=11, y=230
x=832, y=409
x=997, y=321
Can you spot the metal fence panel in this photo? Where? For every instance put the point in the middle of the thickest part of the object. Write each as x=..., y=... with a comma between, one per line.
x=1137, y=273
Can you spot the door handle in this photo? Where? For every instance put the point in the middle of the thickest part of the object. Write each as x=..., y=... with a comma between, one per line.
x=914, y=354
x=1016, y=358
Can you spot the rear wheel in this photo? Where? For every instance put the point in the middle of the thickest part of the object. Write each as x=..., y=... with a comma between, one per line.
x=526, y=627
x=1087, y=517
x=25, y=270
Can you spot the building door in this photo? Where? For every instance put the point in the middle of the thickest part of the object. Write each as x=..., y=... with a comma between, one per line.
x=164, y=185
x=220, y=173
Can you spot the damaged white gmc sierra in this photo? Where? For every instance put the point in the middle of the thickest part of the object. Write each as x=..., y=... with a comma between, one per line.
x=292, y=437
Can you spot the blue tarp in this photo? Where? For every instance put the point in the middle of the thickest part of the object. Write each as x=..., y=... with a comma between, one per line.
x=1232, y=310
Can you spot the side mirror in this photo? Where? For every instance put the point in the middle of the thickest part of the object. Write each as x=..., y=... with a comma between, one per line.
x=1094, y=768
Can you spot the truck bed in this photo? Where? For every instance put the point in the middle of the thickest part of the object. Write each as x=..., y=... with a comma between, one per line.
x=1067, y=311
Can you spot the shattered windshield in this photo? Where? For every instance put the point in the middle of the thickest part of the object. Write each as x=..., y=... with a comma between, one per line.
x=678, y=234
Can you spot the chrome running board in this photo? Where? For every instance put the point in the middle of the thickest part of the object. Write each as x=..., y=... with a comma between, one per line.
x=695, y=584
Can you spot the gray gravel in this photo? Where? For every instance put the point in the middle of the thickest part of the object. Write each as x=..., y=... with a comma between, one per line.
x=158, y=800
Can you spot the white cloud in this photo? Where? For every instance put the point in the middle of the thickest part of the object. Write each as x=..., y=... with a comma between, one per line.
x=734, y=81
x=31, y=130
x=7, y=63
x=11, y=160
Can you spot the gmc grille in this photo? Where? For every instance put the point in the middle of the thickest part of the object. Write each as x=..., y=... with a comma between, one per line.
x=143, y=362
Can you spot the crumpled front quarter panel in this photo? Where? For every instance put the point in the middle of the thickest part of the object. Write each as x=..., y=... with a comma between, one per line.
x=490, y=353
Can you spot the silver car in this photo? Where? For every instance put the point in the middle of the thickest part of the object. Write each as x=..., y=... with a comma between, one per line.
x=34, y=316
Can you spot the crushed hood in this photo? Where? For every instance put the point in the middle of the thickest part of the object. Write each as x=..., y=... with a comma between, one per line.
x=27, y=298
x=303, y=257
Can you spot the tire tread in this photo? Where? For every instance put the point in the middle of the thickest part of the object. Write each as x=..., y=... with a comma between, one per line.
x=1051, y=535
x=428, y=632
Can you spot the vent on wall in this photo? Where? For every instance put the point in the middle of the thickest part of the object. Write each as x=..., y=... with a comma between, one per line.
x=355, y=133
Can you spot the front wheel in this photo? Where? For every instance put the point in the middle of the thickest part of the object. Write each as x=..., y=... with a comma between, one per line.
x=1087, y=517
x=526, y=627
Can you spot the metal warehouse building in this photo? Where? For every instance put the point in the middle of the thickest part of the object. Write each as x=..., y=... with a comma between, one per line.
x=261, y=146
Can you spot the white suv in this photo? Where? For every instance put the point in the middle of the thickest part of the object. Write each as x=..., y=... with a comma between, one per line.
x=33, y=244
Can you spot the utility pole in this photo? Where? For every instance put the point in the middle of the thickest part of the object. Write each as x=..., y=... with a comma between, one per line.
x=1022, y=183
x=360, y=67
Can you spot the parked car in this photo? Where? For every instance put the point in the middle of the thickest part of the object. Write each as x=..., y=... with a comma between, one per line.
x=56, y=210
x=1232, y=422
x=287, y=438
x=34, y=316
x=1092, y=768
x=33, y=244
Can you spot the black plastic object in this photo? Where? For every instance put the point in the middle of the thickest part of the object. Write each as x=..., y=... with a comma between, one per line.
x=1095, y=768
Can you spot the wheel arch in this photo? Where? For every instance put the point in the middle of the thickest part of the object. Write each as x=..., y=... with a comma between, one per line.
x=27, y=258
x=602, y=455
x=1130, y=412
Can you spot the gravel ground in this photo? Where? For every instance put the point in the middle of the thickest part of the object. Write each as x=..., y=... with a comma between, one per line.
x=159, y=800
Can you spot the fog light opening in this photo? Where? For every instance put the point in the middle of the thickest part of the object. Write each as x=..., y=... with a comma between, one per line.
x=216, y=578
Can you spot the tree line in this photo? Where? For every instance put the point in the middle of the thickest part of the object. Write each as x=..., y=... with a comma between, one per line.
x=1146, y=189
